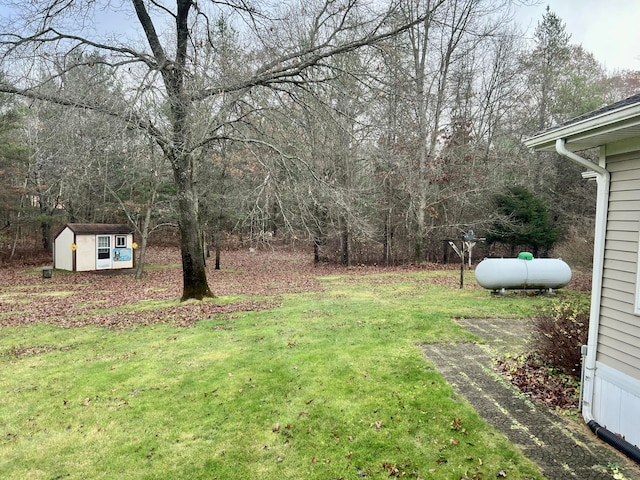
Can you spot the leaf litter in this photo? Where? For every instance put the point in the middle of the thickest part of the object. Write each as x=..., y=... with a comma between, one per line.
x=115, y=299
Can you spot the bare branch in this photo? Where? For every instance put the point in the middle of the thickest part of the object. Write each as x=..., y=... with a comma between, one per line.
x=294, y=64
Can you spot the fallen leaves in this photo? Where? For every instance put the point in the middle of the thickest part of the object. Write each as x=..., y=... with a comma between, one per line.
x=114, y=299
x=541, y=382
x=28, y=351
x=456, y=425
x=393, y=470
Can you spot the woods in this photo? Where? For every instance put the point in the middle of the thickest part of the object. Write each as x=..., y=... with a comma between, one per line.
x=369, y=132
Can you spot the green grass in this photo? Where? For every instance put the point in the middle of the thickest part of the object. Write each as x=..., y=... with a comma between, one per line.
x=330, y=385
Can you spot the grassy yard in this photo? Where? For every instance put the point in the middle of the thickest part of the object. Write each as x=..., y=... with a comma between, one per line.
x=330, y=384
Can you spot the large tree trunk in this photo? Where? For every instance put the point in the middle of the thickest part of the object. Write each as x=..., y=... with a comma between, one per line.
x=194, y=275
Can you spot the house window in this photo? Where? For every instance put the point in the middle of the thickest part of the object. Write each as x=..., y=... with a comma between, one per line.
x=121, y=241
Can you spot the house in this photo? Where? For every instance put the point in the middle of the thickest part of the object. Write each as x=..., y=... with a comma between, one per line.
x=610, y=396
x=93, y=246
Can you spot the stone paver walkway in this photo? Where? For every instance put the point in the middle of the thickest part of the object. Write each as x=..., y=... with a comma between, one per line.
x=561, y=447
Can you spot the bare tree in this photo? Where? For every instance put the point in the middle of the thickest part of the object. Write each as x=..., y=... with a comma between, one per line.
x=71, y=161
x=163, y=71
x=14, y=166
x=136, y=186
x=437, y=51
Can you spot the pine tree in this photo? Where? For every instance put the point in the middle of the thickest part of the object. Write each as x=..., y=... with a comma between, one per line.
x=551, y=53
x=522, y=221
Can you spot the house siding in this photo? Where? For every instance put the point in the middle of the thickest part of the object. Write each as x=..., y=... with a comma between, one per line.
x=619, y=337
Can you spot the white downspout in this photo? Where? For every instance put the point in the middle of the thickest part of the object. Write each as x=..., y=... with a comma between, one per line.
x=603, y=177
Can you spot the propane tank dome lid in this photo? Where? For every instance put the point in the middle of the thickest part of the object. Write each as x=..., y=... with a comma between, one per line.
x=525, y=256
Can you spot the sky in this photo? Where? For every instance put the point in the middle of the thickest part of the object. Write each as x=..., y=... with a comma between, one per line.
x=609, y=29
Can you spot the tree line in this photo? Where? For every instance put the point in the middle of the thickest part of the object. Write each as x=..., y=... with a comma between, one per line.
x=370, y=132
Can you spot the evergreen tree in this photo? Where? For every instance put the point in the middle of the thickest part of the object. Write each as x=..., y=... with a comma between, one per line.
x=551, y=53
x=522, y=221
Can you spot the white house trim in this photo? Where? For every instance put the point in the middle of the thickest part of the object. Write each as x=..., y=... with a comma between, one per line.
x=613, y=125
x=603, y=179
x=616, y=402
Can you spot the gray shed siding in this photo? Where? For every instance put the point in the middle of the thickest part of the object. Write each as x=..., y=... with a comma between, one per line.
x=619, y=337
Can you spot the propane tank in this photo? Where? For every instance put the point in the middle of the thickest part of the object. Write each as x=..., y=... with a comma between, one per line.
x=524, y=272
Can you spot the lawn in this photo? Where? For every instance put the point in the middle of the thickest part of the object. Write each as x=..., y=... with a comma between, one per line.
x=293, y=372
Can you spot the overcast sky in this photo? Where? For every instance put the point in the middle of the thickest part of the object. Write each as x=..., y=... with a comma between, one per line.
x=610, y=29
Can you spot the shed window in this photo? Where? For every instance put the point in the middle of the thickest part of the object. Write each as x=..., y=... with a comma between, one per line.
x=121, y=241
x=104, y=247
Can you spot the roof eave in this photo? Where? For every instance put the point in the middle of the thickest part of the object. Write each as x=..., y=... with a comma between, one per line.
x=588, y=133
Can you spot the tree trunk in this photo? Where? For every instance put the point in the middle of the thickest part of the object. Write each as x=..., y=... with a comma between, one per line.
x=194, y=275
x=419, y=240
x=144, y=233
x=15, y=239
x=141, y=259
x=346, y=256
x=45, y=228
x=386, y=254
x=216, y=246
x=45, y=223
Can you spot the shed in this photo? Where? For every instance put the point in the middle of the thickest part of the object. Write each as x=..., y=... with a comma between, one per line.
x=610, y=394
x=93, y=246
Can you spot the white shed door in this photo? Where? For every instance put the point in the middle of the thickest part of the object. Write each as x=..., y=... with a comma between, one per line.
x=103, y=252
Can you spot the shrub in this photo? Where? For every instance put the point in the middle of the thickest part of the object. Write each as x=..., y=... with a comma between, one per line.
x=559, y=331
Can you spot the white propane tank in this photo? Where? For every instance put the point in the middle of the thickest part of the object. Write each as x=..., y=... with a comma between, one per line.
x=524, y=272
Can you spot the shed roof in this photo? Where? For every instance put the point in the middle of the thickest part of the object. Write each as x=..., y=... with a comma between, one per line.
x=611, y=123
x=98, y=228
